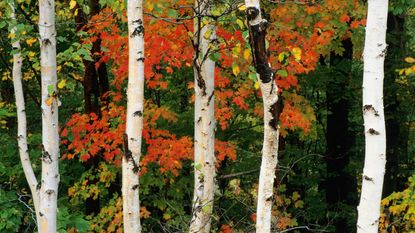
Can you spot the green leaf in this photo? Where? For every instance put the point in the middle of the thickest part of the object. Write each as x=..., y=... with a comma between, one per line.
x=252, y=76
x=172, y=13
x=51, y=89
x=206, y=208
x=198, y=166
x=282, y=73
x=215, y=56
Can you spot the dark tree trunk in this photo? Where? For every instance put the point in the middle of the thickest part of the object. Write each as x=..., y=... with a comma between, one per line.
x=7, y=95
x=95, y=78
x=340, y=185
x=96, y=84
x=396, y=133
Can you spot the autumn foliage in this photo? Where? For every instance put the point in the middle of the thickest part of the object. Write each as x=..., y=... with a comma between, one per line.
x=299, y=35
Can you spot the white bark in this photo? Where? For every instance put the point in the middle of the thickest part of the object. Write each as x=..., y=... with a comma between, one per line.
x=374, y=120
x=135, y=103
x=269, y=161
x=204, y=157
x=21, y=118
x=48, y=192
x=269, y=90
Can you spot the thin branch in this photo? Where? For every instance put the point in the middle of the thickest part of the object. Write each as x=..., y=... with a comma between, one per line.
x=232, y=175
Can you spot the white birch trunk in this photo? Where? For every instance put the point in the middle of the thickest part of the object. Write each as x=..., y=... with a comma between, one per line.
x=135, y=103
x=269, y=161
x=21, y=119
x=374, y=120
x=48, y=192
x=269, y=89
x=204, y=141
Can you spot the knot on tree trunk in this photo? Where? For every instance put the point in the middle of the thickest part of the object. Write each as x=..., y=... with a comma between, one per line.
x=252, y=13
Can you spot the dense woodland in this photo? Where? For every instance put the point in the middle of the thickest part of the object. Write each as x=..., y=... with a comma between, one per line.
x=155, y=116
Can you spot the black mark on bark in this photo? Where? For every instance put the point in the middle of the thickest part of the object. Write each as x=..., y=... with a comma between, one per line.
x=129, y=156
x=367, y=178
x=138, y=113
x=373, y=132
x=49, y=192
x=257, y=34
x=370, y=108
x=46, y=158
x=139, y=29
x=275, y=111
x=46, y=42
x=210, y=98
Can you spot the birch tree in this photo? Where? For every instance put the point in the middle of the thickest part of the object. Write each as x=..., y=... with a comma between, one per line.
x=48, y=193
x=135, y=103
x=204, y=157
x=257, y=32
x=21, y=116
x=374, y=119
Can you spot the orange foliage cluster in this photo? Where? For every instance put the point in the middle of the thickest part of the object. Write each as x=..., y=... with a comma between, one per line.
x=87, y=136
x=297, y=114
x=313, y=29
x=91, y=135
x=166, y=150
x=300, y=32
x=299, y=35
x=226, y=229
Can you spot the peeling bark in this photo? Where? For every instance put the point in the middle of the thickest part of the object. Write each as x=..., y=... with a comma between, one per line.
x=257, y=36
x=204, y=157
x=374, y=119
x=48, y=192
x=134, y=124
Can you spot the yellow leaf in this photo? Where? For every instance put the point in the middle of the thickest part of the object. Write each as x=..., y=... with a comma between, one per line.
x=12, y=35
x=49, y=101
x=235, y=70
x=256, y=85
x=166, y=216
x=31, y=54
x=76, y=12
x=144, y=212
x=281, y=57
x=410, y=59
x=295, y=196
x=72, y=4
x=297, y=53
x=62, y=84
x=150, y=6
x=247, y=54
x=236, y=51
x=299, y=204
x=207, y=34
x=242, y=7
x=30, y=41
x=240, y=23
